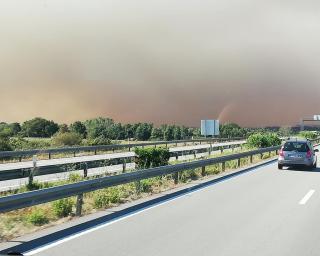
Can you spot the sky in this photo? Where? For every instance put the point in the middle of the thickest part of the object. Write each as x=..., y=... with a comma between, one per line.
x=253, y=62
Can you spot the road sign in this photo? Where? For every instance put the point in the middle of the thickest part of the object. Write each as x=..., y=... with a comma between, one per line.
x=210, y=127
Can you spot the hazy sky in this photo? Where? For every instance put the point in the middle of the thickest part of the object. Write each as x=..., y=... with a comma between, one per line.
x=254, y=62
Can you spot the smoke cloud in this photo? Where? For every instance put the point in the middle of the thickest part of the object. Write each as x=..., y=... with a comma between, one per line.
x=251, y=62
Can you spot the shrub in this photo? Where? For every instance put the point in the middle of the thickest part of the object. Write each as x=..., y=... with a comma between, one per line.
x=146, y=185
x=18, y=143
x=308, y=135
x=4, y=145
x=101, y=140
x=105, y=197
x=37, y=217
x=66, y=139
x=263, y=140
x=75, y=177
x=151, y=157
x=62, y=207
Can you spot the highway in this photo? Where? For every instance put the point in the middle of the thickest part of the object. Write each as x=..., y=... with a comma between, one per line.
x=262, y=212
x=16, y=183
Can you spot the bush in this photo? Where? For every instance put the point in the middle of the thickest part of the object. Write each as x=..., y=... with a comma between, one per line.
x=105, y=197
x=66, y=139
x=146, y=185
x=75, y=177
x=151, y=157
x=263, y=140
x=63, y=207
x=4, y=145
x=308, y=135
x=18, y=143
x=101, y=140
x=37, y=217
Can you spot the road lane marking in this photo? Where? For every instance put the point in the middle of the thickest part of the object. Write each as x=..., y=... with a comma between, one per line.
x=305, y=199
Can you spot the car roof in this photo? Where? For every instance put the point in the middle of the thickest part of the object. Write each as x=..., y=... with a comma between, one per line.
x=297, y=140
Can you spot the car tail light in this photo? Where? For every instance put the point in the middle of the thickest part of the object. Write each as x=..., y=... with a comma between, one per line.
x=309, y=154
x=281, y=152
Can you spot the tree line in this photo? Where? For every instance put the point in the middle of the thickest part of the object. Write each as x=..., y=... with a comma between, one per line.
x=97, y=131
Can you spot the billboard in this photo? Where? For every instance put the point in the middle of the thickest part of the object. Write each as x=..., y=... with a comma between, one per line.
x=210, y=127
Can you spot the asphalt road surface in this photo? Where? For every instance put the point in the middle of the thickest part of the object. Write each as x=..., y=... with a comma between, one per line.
x=265, y=212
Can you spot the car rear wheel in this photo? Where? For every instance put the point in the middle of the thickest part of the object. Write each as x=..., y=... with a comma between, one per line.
x=280, y=166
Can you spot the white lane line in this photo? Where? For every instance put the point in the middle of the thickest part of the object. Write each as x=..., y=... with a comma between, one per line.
x=305, y=199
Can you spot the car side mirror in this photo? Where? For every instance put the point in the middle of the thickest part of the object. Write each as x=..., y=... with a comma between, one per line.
x=316, y=150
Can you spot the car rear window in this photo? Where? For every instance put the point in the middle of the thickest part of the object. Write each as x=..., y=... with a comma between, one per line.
x=296, y=146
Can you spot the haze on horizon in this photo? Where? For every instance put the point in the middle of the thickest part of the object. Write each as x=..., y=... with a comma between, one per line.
x=252, y=62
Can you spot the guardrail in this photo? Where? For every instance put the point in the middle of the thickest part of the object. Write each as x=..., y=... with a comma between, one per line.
x=74, y=150
x=18, y=201
x=23, y=200
x=85, y=164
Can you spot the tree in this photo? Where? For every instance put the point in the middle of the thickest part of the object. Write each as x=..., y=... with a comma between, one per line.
x=63, y=128
x=168, y=132
x=156, y=134
x=143, y=131
x=231, y=130
x=129, y=131
x=101, y=127
x=79, y=128
x=176, y=133
x=39, y=127
x=4, y=144
x=15, y=128
x=185, y=133
x=8, y=130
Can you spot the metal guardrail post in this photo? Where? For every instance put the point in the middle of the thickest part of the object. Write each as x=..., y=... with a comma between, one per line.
x=176, y=178
x=49, y=155
x=124, y=163
x=79, y=205
x=32, y=171
x=85, y=170
x=239, y=162
x=138, y=186
x=223, y=166
x=20, y=159
x=203, y=171
x=79, y=201
x=251, y=159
